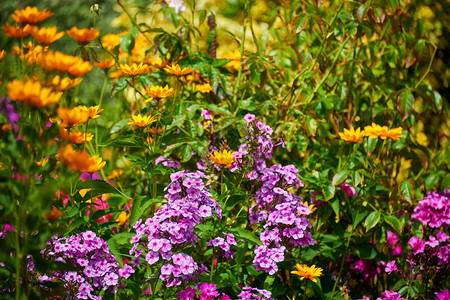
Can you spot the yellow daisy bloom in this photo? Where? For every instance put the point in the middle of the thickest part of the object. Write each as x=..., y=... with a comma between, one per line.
x=75, y=136
x=93, y=111
x=374, y=131
x=134, y=69
x=308, y=272
x=83, y=35
x=235, y=57
x=17, y=32
x=123, y=217
x=105, y=64
x=114, y=174
x=32, y=93
x=156, y=91
x=223, y=158
x=47, y=35
x=72, y=117
x=352, y=135
x=80, y=160
x=110, y=41
x=31, y=15
x=142, y=121
x=175, y=69
x=204, y=88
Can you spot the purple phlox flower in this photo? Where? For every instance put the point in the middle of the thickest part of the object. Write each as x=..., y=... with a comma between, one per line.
x=249, y=293
x=249, y=118
x=433, y=210
x=442, y=236
x=349, y=190
x=442, y=295
x=417, y=245
x=187, y=294
x=390, y=295
x=208, y=291
x=8, y=109
x=390, y=267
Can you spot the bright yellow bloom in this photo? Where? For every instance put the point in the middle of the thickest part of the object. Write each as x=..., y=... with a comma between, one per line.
x=115, y=74
x=374, y=131
x=47, y=35
x=56, y=61
x=308, y=272
x=94, y=164
x=235, y=57
x=31, y=15
x=17, y=32
x=80, y=160
x=42, y=162
x=175, y=69
x=142, y=121
x=32, y=93
x=2, y=54
x=156, y=91
x=123, y=217
x=75, y=136
x=33, y=54
x=83, y=35
x=224, y=158
x=134, y=69
x=352, y=135
x=105, y=64
x=64, y=84
x=110, y=41
x=72, y=117
x=204, y=88
x=93, y=111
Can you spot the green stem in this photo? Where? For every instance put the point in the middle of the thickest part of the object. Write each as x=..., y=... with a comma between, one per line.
x=428, y=69
x=341, y=267
x=238, y=81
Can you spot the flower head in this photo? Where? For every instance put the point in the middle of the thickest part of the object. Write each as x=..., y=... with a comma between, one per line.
x=352, y=135
x=105, y=64
x=308, y=272
x=175, y=69
x=123, y=217
x=134, y=69
x=56, y=61
x=32, y=93
x=47, y=35
x=80, y=160
x=31, y=15
x=72, y=117
x=235, y=57
x=17, y=32
x=83, y=35
x=204, y=88
x=110, y=41
x=142, y=121
x=66, y=83
x=156, y=91
x=223, y=158
x=374, y=131
x=75, y=136
x=93, y=111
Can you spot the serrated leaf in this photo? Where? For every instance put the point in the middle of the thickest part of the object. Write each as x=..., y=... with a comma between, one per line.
x=405, y=104
x=407, y=191
x=394, y=222
x=339, y=177
x=372, y=220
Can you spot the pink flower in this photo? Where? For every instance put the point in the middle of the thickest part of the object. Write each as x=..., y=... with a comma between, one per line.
x=417, y=245
x=390, y=267
x=249, y=118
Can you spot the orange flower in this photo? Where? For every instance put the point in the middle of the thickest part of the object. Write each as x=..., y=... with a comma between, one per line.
x=114, y=174
x=223, y=158
x=80, y=160
x=93, y=111
x=352, y=135
x=115, y=74
x=47, y=35
x=56, y=61
x=156, y=62
x=75, y=136
x=34, y=53
x=110, y=41
x=175, y=69
x=154, y=130
x=308, y=272
x=134, y=69
x=142, y=121
x=105, y=64
x=53, y=215
x=235, y=57
x=72, y=117
x=123, y=217
x=204, y=88
x=156, y=91
x=32, y=93
x=17, y=32
x=31, y=15
x=374, y=131
x=2, y=54
x=63, y=84
x=84, y=35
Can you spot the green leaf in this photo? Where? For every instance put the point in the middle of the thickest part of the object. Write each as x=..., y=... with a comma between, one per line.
x=358, y=216
x=240, y=252
x=311, y=125
x=369, y=145
x=118, y=126
x=186, y=153
x=246, y=235
x=127, y=42
x=339, y=177
x=378, y=15
x=405, y=104
x=372, y=220
x=202, y=16
x=98, y=185
x=361, y=13
x=407, y=191
x=114, y=249
x=140, y=206
x=328, y=192
x=335, y=206
x=268, y=282
x=394, y=222
x=299, y=23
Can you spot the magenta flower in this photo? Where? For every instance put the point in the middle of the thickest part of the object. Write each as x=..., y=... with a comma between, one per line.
x=417, y=245
x=390, y=267
x=249, y=118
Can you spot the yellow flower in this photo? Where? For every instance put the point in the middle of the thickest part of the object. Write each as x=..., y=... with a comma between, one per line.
x=17, y=32
x=123, y=217
x=110, y=41
x=56, y=61
x=83, y=35
x=352, y=135
x=204, y=88
x=235, y=57
x=142, y=121
x=72, y=117
x=374, y=131
x=156, y=62
x=115, y=74
x=308, y=272
x=175, y=69
x=134, y=69
x=154, y=130
x=47, y=35
x=114, y=174
x=63, y=84
x=80, y=160
x=75, y=136
x=42, y=162
x=31, y=15
x=32, y=93
x=92, y=111
x=105, y=64
x=2, y=54
x=156, y=91
x=224, y=158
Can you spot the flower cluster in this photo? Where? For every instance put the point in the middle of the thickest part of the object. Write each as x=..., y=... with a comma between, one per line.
x=390, y=295
x=372, y=131
x=172, y=227
x=433, y=210
x=167, y=162
x=224, y=244
x=266, y=259
x=249, y=293
x=435, y=248
x=98, y=268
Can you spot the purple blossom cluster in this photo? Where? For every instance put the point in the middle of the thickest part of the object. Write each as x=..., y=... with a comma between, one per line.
x=348, y=190
x=224, y=244
x=208, y=291
x=433, y=210
x=266, y=259
x=99, y=269
x=390, y=295
x=172, y=228
x=435, y=247
x=167, y=162
x=249, y=293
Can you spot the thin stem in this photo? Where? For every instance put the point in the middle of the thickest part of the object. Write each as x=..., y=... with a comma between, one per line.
x=238, y=81
x=428, y=69
x=341, y=267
